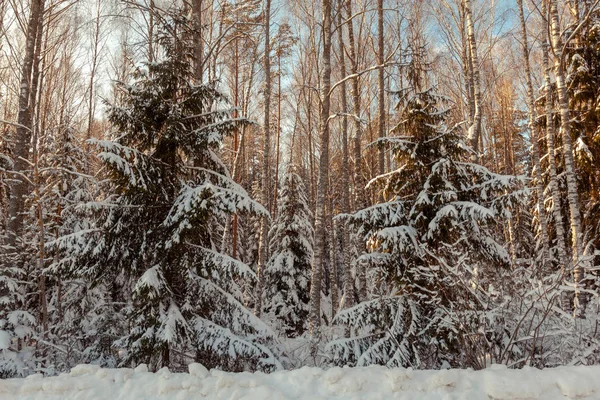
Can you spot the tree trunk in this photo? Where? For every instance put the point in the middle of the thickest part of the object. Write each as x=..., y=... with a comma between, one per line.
x=359, y=182
x=20, y=187
x=467, y=70
x=151, y=32
x=570, y=172
x=275, y=191
x=333, y=260
x=554, y=188
x=322, y=185
x=198, y=44
x=264, y=224
x=348, y=283
x=474, y=135
x=534, y=139
x=381, y=85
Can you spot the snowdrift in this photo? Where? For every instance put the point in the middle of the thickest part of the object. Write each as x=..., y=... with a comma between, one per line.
x=87, y=382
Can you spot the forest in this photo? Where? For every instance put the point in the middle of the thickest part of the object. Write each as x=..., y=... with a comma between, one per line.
x=258, y=185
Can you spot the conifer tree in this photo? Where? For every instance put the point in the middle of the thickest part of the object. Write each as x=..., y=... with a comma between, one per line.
x=433, y=255
x=152, y=236
x=287, y=274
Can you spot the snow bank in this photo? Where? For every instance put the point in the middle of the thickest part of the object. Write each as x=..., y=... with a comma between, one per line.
x=86, y=382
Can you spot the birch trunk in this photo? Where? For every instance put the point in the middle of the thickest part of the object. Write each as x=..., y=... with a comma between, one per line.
x=20, y=186
x=570, y=172
x=554, y=188
x=322, y=185
x=348, y=283
x=467, y=70
x=534, y=139
x=474, y=135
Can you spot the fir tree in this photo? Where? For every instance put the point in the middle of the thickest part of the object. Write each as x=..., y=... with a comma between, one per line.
x=433, y=255
x=153, y=235
x=287, y=274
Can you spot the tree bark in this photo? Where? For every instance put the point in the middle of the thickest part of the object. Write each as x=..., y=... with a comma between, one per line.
x=198, y=44
x=570, y=172
x=322, y=185
x=264, y=224
x=534, y=139
x=20, y=187
x=554, y=188
x=381, y=85
x=360, y=198
x=474, y=134
x=275, y=191
x=348, y=283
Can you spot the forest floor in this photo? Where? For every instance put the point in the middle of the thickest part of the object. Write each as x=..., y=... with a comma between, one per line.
x=87, y=382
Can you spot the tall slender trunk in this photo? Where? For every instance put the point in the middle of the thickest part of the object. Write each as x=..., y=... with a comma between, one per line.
x=554, y=188
x=151, y=7
x=474, y=135
x=278, y=134
x=322, y=186
x=94, y=65
x=20, y=186
x=264, y=224
x=348, y=283
x=360, y=198
x=534, y=139
x=35, y=94
x=467, y=70
x=381, y=84
x=198, y=44
x=570, y=172
x=236, y=144
x=333, y=260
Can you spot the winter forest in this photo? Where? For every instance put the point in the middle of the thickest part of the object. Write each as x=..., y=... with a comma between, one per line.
x=257, y=185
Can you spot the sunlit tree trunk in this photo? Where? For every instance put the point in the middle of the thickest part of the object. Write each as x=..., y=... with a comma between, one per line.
x=552, y=162
x=570, y=172
x=474, y=135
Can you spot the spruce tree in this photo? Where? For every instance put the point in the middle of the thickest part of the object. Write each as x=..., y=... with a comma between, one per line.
x=287, y=274
x=153, y=240
x=433, y=255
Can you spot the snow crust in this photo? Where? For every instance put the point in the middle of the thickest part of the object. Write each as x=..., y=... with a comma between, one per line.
x=87, y=382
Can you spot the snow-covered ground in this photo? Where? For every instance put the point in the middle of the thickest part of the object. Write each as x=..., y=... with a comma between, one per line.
x=90, y=382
